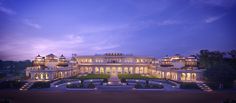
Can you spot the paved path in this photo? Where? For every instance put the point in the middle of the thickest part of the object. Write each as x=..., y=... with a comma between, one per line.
x=115, y=88
x=116, y=97
x=114, y=80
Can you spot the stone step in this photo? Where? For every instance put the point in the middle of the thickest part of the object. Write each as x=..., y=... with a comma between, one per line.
x=26, y=86
x=114, y=83
x=204, y=87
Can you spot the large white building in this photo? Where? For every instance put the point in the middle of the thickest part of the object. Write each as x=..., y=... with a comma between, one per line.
x=175, y=68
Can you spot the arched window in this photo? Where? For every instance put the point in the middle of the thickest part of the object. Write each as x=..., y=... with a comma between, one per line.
x=101, y=70
x=188, y=76
x=194, y=76
x=126, y=71
x=119, y=70
x=163, y=74
x=130, y=70
x=137, y=70
x=108, y=70
x=41, y=76
x=36, y=76
x=86, y=70
x=90, y=69
x=141, y=69
x=183, y=76
x=46, y=76
x=145, y=70
x=96, y=70
x=168, y=75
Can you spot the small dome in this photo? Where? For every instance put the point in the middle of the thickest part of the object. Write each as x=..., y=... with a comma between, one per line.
x=62, y=57
x=51, y=56
x=38, y=57
x=39, y=61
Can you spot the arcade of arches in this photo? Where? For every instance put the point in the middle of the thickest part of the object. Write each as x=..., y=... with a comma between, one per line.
x=115, y=70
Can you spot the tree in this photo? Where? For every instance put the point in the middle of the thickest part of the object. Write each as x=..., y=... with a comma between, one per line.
x=232, y=53
x=221, y=73
x=209, y=58
x=203, y=58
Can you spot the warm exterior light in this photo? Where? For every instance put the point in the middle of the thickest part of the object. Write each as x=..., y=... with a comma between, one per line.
x=167, y=67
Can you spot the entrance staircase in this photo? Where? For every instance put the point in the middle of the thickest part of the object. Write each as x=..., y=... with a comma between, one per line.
x=114, y=81
x=204, y=87
x=114, y=84
x=26, y=86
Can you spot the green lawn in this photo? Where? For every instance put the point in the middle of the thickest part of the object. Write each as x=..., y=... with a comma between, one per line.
x=95, y=76
x=134, y=76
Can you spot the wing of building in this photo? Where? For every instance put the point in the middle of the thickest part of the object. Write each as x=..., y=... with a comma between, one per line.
x=176, y=67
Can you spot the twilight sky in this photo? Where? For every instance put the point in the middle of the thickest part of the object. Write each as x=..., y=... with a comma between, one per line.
x=140, y=27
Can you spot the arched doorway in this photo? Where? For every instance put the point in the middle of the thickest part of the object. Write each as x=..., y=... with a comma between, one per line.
x=113, y=71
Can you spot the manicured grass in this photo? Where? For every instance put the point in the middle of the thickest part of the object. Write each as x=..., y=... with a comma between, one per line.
x=89, y=76
x=133, y=76
x=95, y=76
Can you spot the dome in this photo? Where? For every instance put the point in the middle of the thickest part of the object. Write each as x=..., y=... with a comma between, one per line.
x=39, y=61
x=51, y=56
x=62, y=57
x=38, y=57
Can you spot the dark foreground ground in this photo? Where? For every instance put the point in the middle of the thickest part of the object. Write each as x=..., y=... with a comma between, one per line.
x=116, y=97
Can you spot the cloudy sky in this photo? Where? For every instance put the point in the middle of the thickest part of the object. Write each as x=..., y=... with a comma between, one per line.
x=141, y=27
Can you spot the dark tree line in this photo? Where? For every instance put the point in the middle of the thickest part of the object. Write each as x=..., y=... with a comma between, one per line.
x=220, y=67
x=13, y=67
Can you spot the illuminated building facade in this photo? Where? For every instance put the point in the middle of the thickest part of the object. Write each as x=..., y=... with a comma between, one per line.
x=175, y=68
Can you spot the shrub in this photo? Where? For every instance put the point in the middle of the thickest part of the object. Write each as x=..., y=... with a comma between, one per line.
x=11, y=84
x=74, y=86
x=41, y=85
x=215, y=86
x=149, y=86
x=188, y=85
x=138, y=85
x=156, y=86
x=2, y=75
x=221, y=73
x=91, y=85
x=123, y=80
x=105, y=80
x=170, y=82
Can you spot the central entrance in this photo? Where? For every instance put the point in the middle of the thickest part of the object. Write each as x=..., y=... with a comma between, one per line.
x=113, y=71
x=114, y=80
